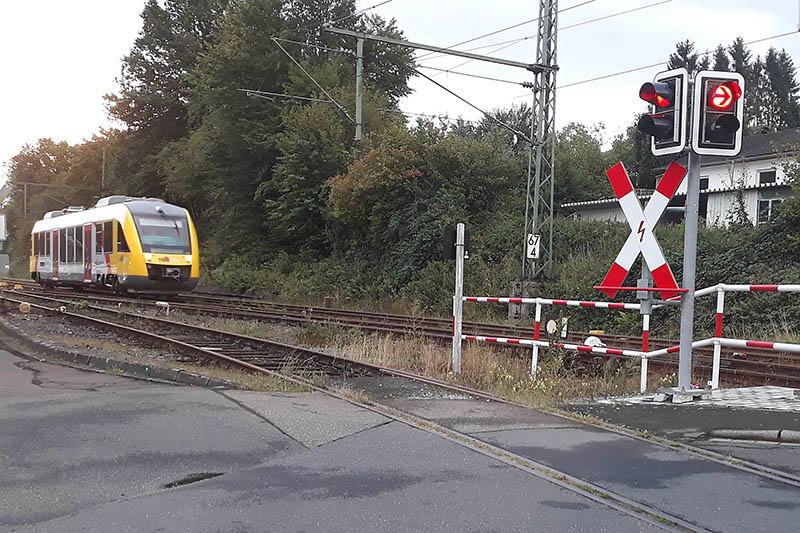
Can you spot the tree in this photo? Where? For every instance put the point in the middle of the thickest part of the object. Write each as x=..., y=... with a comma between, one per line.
x=580, y=164
x=781, y=87
x=721, y=61
x=684, y=56
x=154, y=86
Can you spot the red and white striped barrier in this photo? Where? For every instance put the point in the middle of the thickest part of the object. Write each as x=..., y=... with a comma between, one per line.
x=718, y=341
x=721, y=289
x=774, y=346
x=503, y=340
x=547, y=301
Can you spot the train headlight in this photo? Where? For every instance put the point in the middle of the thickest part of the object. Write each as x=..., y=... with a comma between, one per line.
x=148, y=257
x=188, y=258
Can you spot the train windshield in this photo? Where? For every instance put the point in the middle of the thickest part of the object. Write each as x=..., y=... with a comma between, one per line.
x=164, y=234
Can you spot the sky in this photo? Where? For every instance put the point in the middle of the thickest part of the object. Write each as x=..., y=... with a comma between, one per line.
x=59, y=57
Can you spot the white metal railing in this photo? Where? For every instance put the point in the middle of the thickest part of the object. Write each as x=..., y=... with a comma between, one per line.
x=717, y=341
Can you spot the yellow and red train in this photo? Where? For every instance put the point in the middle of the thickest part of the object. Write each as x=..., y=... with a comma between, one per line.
x=124, y=244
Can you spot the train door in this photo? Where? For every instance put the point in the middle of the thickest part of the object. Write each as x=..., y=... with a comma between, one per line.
x=56, y=250
x=87, y=253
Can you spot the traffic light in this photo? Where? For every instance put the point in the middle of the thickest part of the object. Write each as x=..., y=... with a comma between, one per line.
x=718, y=113
x=666, y=124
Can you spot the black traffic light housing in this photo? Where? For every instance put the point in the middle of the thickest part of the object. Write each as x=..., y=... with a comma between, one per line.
x=718, y=113
x=666, y=123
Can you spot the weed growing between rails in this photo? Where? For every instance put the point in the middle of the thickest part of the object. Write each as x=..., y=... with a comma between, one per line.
x=496, y=371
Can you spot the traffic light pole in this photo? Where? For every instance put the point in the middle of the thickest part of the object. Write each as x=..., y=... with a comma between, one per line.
x=689, y=266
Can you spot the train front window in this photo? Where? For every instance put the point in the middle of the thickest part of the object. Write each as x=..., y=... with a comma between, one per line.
x=164, y=234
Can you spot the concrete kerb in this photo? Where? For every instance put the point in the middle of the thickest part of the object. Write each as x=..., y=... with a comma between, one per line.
x=112, y=366
x=770, y=435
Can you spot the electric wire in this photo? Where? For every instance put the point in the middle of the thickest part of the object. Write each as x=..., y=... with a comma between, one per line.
x=501, y=30
x=351, y=15
x=472, y=75
x=338, y=106
x=519, y=40
x=271, y=96
x=318, y=47
x=620, y=73
x=487, y=115
x=426, y=115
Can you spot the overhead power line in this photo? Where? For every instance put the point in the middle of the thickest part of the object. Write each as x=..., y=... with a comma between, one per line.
x=271, y=96
x=628, y=71
x=318, y=47
x=472, y=75
x=338, y=106
x=501, y=30
x=426, y=115
x=351, y=15
x=487, y=115
x=512, y=42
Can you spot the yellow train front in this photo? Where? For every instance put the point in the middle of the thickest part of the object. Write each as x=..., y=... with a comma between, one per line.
x=124, y=244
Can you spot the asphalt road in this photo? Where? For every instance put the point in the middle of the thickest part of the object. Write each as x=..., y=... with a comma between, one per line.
x=82, y=451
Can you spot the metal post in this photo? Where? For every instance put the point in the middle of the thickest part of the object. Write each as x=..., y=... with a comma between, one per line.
x=359, y=80
x=458, y=299
x=25, y=200
x=103, y=172
x=643, y=378
x=718, y=334
x=646, y=301
x=689, y=266
x=537, y=327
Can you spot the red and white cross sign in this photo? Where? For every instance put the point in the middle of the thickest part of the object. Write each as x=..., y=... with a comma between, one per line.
x=642, y=239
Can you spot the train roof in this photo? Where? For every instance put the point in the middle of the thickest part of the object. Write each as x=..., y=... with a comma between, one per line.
x=115, y=209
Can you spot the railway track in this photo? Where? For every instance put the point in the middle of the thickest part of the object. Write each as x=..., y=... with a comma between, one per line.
x=307, y=367
x=749, y=367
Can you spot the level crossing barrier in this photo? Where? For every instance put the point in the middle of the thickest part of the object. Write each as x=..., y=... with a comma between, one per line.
x=717, y=341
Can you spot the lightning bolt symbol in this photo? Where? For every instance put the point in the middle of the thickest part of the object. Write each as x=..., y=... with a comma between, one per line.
x=641, y=231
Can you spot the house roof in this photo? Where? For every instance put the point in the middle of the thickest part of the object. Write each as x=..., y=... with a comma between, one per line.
x=762, y=146
x=754, y=147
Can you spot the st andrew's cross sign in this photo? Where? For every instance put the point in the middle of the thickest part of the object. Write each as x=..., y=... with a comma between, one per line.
x=642, y=239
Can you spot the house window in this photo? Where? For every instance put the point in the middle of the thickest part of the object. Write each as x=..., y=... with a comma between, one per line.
x=704, y=183
x=766, y=176
x=766, y=209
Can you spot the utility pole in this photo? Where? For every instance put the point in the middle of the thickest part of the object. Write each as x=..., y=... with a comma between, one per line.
x=359, y=81
x=537, y=260
x=539, y=205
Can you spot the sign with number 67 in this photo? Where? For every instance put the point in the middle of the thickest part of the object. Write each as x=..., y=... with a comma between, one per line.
x=532, y=251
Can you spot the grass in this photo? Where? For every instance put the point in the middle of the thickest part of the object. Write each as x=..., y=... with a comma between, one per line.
x=245, y=380
x=500, y=372
x=503, y=372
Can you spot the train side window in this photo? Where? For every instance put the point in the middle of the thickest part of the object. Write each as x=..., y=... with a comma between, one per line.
x=108, y=237
x=47, y=243
x=79, y=244
x=62, y=246
x=70, y=238
x=98, y=238
x=122, y=243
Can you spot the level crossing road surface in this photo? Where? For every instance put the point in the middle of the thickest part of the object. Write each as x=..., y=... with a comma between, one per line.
x=741, y=413
x=88, y=451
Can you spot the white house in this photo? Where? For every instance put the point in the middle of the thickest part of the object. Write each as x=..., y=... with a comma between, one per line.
x=757, y=175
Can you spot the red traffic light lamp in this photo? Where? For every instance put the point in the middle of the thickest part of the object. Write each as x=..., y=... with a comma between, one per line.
x=724, y=95
x=658, y=94
x=718, y=113
x=666, y=123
